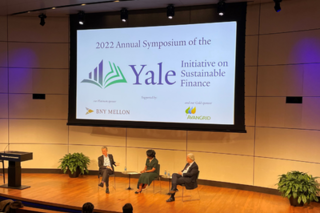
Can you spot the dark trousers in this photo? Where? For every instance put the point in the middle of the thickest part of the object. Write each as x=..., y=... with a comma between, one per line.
x=178, y=180
x=105, y=175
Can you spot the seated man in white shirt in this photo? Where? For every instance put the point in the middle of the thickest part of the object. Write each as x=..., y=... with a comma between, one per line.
x=106, y=167
x=188, y=177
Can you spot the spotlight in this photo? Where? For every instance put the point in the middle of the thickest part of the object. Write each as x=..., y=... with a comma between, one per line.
x=170, y=11
x=221, y=7
x=124, y=14
x=42, y=19
x=277, y=7
x=53, y=8
x=83, y=4
x=81, y=17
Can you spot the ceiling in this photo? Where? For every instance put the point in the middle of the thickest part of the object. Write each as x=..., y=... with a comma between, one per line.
x=9, y=7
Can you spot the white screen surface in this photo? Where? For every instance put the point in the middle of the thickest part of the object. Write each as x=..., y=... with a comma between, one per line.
x=175, y=74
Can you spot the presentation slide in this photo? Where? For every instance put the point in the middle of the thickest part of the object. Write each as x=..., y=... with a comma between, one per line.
x=171, y=74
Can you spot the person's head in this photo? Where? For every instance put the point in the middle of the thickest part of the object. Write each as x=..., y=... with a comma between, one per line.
x=87, y=208
x=151, y=153
x=127, y=208
x=190, y=158
x=104, y=150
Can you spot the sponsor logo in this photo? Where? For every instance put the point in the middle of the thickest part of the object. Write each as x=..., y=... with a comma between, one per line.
x=114, y=76
x=191, y=110
x=88, y=111
x=113, y=111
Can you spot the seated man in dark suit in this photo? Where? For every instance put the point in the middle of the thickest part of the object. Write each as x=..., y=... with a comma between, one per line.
x=106, y=167
x=188, y=177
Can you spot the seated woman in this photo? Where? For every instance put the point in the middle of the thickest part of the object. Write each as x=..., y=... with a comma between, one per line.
x=150, y=171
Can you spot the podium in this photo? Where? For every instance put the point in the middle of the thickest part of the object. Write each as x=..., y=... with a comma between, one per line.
x=14, y=169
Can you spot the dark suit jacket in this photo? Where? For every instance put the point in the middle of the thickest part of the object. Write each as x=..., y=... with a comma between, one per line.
x=101, y=162
x=192, y=173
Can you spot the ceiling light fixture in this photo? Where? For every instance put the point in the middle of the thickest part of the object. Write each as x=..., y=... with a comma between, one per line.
x=124, y=14
x=277, y=6
x=42, y=19
x=81, y=17
x=221, y=7
x=170, y=11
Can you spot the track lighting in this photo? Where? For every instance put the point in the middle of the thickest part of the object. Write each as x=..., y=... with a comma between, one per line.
x=124, y=14
x=221, y=7
x=81, y=17
x=42, y=19
x=277, y=7
x=170, y=11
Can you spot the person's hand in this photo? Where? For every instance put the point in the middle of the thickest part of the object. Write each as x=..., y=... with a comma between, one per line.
x=142, y=171
x=117, y=164
x=109, y=167
x=180, y=173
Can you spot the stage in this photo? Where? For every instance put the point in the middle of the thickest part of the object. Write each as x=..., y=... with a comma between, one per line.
x=61, y=191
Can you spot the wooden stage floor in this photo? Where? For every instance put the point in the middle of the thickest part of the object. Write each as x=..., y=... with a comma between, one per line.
x=60, y=190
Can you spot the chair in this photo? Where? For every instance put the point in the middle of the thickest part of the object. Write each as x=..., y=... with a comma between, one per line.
x=114, y=179
x=3, y=172
x=183, y=186
x=158, y=179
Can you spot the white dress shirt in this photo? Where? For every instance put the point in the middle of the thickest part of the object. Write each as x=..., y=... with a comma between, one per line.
x=106, y=161
x=186, y=170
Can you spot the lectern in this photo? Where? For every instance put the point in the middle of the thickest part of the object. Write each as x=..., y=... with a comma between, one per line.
x=14, y=169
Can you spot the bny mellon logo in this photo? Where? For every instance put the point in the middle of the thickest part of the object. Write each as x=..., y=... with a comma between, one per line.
x=89, y=111
x=113, y=77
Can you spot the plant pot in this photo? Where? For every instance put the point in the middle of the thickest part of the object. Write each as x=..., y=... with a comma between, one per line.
x=294, y=202
x=75, y=174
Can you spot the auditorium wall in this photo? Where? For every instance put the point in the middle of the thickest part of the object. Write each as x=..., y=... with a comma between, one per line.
x=282, y=59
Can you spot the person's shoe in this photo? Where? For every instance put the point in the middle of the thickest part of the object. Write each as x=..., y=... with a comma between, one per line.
x=100, y=184
x=137, y=192
x=107, y=190
x=172, y=191
x=171, y=199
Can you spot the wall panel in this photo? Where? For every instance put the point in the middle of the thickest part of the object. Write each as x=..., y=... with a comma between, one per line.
x=24, y=106
x=225, y=168
x=3, y=131
x=38, y=131
x=3, y=54
x=274, y=112
x=3, y=26
x=250, y=110
x=290, y=48
x=222, y=142
x=48, y=81
x=44, y=155
x=28, y=29
x=252, y=23
x=3, y=105
x=284, y=143
x=158, y=139
x=251, y=81
x=3, y=80
x=38, y=55
x=295, y=15
x=267, y=171
x=281, y=80
x=102, y=136
x=251, y=54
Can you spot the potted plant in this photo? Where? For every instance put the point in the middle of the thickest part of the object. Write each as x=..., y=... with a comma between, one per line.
x=74, y=164
x=298, y=187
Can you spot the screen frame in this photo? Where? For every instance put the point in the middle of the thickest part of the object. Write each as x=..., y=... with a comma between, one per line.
x=236, y=12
